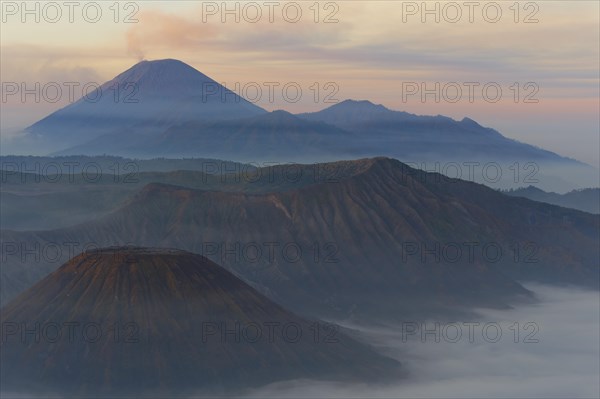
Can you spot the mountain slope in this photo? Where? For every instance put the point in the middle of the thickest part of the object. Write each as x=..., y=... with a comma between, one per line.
x=414, y=136
x=173, y=323
x=349, y=113
x=65, y=191
x=365, y=237
x=276, y=136
x=147, y=98
x=587, y=200
x=354, y=129
x=448, y=146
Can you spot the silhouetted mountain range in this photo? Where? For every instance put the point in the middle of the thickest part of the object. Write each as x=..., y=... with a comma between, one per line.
x=178, y=111
x=273, y=136
x=587, y=200
x=415, y=137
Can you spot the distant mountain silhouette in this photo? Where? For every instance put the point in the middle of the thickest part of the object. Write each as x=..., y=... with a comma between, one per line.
x=419, y=137
x=362, y=215
x=149, y=97
x=178, y=111
x=166, y=322
x=350, y=112
x=587, y=200
x=437, y=142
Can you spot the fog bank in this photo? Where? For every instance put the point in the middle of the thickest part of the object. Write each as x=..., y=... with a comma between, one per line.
x=564, y=362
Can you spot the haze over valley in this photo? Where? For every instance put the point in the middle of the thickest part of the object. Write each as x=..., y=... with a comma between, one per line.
x=299, y=200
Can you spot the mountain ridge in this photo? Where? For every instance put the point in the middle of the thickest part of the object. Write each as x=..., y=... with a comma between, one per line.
x=182, y=112
x=586, y=199
x=361, y=225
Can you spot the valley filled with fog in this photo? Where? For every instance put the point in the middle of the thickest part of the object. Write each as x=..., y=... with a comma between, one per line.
x=303, y=200
x=564, y=362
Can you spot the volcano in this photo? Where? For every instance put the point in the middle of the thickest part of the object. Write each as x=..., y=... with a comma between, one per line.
x=369, y=235
x=166, y=108
x=149, y=97
x=147, y=321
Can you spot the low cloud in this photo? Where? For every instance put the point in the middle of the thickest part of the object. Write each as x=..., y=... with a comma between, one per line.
x=563, y=363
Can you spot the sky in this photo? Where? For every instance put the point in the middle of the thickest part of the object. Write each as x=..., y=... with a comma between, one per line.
x=529, y=70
